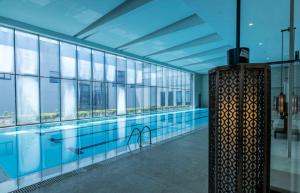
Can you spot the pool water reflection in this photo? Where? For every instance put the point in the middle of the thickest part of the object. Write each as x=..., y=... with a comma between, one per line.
x=30, y=154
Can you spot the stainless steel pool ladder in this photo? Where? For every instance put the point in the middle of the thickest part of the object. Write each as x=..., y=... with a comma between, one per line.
x=140, y=133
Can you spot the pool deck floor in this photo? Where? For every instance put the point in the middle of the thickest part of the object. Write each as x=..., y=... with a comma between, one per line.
x=179, y=165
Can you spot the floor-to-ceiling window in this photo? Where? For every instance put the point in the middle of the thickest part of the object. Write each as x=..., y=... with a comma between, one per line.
x=99, y=89
x=68, y=73
x=48, y=80
x=84, y=82
x=27, y=63
x=153, y=88
x=130, y=87
x=146, y=89
x=7, y=77
x=121, y=80
x=111, y=87
x=139, y=87
x=159, y=75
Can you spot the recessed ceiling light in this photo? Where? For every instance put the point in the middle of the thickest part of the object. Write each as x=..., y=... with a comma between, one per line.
x=251, y=24
x=260, y=43
x=268, y=58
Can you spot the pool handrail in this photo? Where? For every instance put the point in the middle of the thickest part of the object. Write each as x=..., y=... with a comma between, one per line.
x=150, y=133
x=140, y=133
x=132, y=132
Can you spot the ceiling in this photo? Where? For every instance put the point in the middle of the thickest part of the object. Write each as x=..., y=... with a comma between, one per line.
x=190, y=34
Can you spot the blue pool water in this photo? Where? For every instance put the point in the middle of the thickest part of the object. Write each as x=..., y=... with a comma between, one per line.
x=47, y=150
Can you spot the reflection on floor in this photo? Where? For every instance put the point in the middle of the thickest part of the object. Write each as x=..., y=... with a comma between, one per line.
x=285, y=172
x=176, y=166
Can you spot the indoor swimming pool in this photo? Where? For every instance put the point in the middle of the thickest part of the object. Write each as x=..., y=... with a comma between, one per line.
x=30, y=154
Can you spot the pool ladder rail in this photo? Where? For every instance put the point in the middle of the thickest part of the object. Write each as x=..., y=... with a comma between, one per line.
x=140, y=133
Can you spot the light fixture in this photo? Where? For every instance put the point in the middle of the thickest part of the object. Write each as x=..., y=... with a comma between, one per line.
x=260, y=43
x=281, y=103
x=251, y=24
x=295, y=104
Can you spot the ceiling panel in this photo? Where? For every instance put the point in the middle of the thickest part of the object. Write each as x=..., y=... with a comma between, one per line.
x=172, y=57
x=151, y=28
x=67, y=16
x=139, y=22
x=170, y=40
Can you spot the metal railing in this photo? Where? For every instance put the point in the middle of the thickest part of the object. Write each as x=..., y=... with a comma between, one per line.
x=140, y=135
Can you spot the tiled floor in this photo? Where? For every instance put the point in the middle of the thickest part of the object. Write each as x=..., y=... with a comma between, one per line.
x=285, y=172
x=177, y=166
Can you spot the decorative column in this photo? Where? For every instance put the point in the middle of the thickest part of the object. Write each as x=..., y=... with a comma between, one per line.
x=239, y=129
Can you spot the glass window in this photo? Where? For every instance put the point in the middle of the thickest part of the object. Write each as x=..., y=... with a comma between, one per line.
x=159, y=98
x=84, y=99
x=139, y=72
x=27, y=99
x=7, y=98
x=164, y=98
x=159, y=71
x=146, y=99
x=84, y=63
x=149, y=87
x=27, y=53
x=176, y=80
x=139, y=99
x=130, y=71
x=153, y=75
x=183, y=98
x=163, y=101
x=130, y=98
x=6, y=50
x=68, y=99
x=50, y=97
x=170, y=98
x=121, y=99
x=170, y=78
x=98, y=65
x=187, y=80
x=110, y=67
x=67, y=60
x=121, y=70
x=179, y=79
x=173, y=75
x=178, y=98
x=188, y=97
x=99, y=97
x=111, y=99
x=49, y=57
x=165, y=77
x=182, y=80
x=153, y=98
x=147, y=79
x=190, y=81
